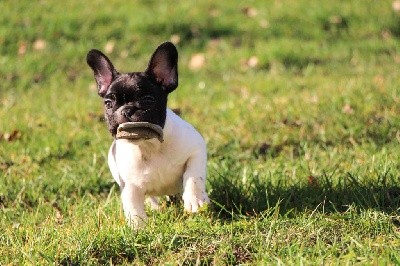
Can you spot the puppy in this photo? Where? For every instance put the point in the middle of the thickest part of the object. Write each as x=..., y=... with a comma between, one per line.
x=148, y=167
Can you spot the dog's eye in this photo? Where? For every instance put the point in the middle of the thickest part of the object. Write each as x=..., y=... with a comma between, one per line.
x=108, y=103
x=148, y=100
x=145, y=102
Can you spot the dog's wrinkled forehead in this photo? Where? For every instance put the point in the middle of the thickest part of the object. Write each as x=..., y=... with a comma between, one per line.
x=130, y=83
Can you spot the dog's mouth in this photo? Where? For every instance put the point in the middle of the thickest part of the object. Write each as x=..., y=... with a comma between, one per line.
x=136, y=131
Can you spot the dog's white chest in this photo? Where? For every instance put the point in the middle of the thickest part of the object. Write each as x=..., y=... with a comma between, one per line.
x=154, y=169
x=158, y=168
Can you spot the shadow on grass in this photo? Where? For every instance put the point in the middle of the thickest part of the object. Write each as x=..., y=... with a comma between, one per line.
x=233, y=196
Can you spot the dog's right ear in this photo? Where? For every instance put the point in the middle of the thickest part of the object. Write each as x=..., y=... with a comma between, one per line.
x=103, y=69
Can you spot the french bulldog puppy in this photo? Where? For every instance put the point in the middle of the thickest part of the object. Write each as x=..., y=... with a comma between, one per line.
x=150, y=167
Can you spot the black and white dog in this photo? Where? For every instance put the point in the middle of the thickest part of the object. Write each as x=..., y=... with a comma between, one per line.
x=150, y=167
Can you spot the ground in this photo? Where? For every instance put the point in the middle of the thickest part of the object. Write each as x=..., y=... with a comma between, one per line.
x=299, y=102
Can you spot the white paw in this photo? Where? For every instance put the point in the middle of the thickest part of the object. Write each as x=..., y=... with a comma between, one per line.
x=194, y=201
x=136, y=221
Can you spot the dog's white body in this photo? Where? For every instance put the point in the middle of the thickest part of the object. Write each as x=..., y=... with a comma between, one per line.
x=151, y=168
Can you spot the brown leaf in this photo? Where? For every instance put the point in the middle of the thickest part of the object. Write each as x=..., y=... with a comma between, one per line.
x=347, y=109
x=251, y=12
x=38, y=77
x=58, y=213
x=59, y=217
x=175, y=39
x=14, y=135
x=336, y=19
x=197, y=61
x=5, y=165
x=109, y=47
x=314, y=99
x=312, y=181
x=22, y=48
x=39, y=44
x=396, y=6
x=252, y=62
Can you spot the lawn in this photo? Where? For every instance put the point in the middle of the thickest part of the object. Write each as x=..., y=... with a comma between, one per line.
x=299, y=102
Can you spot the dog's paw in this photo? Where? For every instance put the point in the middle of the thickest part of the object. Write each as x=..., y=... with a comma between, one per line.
x=136, y=222
x=193, y=202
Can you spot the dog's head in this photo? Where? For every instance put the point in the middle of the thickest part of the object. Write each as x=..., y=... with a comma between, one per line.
x=136, y=96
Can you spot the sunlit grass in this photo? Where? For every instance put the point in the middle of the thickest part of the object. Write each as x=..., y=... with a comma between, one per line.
x=297, y=100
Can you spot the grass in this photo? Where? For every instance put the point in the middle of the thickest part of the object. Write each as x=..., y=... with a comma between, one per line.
x=303, y=144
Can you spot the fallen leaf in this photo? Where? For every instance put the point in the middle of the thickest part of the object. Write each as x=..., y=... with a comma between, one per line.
x=312, y=181
x=38, y=78
x=58, y=213
x=314, y=99
x=252, y=62
x=250, y=11
x=202, y=85
x=39, y=44
x=22, y=48
x=14, y=135
x=347, y=109
x=5, y=165
x=197, y=61
x=16, y=225
x=175, y=39
x=109, y=47
x=59, y=217
x=352, y=141
x=336, y=19
x=396, y=6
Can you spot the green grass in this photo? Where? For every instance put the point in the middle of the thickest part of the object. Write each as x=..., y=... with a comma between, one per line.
x=303, y=147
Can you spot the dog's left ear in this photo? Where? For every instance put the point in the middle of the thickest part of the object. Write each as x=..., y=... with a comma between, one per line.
x=103, y=69
x=163, y=66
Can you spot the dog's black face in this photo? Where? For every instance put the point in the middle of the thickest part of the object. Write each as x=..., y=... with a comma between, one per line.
x=136, y=96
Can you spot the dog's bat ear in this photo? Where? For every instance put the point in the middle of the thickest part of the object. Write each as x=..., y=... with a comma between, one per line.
x=103, y=69
x=163, y=66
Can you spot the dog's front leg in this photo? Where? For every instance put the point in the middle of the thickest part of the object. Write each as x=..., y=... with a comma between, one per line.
x=125, y=164
x=194, y=182
x=133, y=205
